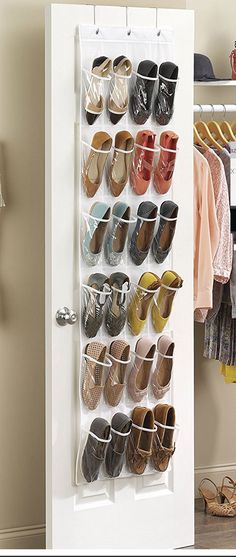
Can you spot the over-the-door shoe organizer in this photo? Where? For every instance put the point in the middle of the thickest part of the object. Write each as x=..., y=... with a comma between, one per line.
x=136, y=45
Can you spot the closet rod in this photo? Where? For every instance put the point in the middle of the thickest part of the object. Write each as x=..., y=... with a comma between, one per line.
x=215, y=107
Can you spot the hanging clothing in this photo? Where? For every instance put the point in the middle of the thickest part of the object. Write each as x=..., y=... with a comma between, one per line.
x=233, y=286
x=220, y=332
x=206, y=232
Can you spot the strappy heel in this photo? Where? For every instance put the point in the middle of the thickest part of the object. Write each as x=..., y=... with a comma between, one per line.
x=211, y=496
x=228, y=492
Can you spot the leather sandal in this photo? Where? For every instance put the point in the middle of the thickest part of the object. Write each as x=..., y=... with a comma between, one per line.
x=116, y=451
x=121, y=162
x=94, y=102
x=118, y=97
x=94, y=165
x=163, y=447
x=119, y=354
x=93, y=383
x=211, y=496
x=140, y=442
x=95, y=449
x=140, y=373
x=161, y=377
x=228, y=492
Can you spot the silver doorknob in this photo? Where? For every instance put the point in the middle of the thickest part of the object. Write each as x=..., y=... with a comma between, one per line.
x=66, y=316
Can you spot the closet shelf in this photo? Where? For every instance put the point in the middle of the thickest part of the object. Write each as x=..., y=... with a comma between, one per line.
x=228, y=83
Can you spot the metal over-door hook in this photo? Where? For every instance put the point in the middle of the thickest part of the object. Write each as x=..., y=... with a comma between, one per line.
x=66, y=316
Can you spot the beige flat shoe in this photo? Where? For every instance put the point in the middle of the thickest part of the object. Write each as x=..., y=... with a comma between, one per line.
x=94, y=102
x=93, y=383
x=94, y=165
x=115, y=384
x=139, y=376
x=161, y=376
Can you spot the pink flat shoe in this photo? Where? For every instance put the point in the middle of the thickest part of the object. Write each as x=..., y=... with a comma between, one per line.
x=166, y=164
x=142, y=167
x=139, y=376
x=161, y=376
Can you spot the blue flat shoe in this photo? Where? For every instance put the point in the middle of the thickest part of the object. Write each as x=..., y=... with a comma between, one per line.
x=95, y=227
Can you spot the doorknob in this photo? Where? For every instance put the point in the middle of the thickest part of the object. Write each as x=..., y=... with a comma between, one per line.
x=66, y=316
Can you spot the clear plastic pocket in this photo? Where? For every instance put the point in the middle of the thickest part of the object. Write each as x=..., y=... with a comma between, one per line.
x=139, y=377
x=117, y=236
x=95, y=88
x=116, y=310
x=95, y=162
x=93, y=308
x=143, y=166
x=141, y=301
x=94, y=377
x=93, y=234
x=91, y=455
x=118, y=172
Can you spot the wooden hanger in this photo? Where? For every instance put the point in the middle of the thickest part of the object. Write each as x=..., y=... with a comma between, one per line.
x=205, y=134
x=227, y=129
x=215, y=129
x=198, y=140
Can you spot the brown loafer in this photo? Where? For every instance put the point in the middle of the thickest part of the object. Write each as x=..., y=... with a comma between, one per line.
x=139, y=448
x=163, y=447
x=115, y=384
x=95, y=449
x=115, y=455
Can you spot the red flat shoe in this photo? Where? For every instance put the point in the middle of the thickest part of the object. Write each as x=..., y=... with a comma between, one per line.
x=142, y=167
x=166, y=164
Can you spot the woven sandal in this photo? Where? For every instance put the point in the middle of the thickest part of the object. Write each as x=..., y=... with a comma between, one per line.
x=116, y=311
x=94, y=303
x=211, y=495
x=115, y=384
x=93, y=383
x=228, y=492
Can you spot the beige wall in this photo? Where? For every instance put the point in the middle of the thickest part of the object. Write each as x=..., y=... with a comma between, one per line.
x=215, y=408
x=22, y=266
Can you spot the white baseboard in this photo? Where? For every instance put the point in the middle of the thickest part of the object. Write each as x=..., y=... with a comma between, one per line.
x=215, y=473
x=25, y=537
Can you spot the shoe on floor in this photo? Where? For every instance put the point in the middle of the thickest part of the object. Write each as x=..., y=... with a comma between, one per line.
x=140, y=442
x=140, y=373
x=141, y=97
x=163, y=239
x=116, y=451
x=142, y=236
x=95, y=449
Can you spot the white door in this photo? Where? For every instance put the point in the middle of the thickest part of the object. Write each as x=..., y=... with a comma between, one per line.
x=133, y=513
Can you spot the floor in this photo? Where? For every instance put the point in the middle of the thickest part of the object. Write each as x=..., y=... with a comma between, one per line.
x=212, y=532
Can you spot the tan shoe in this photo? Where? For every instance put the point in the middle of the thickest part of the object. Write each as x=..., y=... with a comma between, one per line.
x=163, y=447
x=121, y=162
x=161, y=376
x=139, y=376
x=93, y=383
x=118, y=97
x=94, y=101
x=139, y=448
x=115, y=384
x=94, y=165
x=211, y=495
